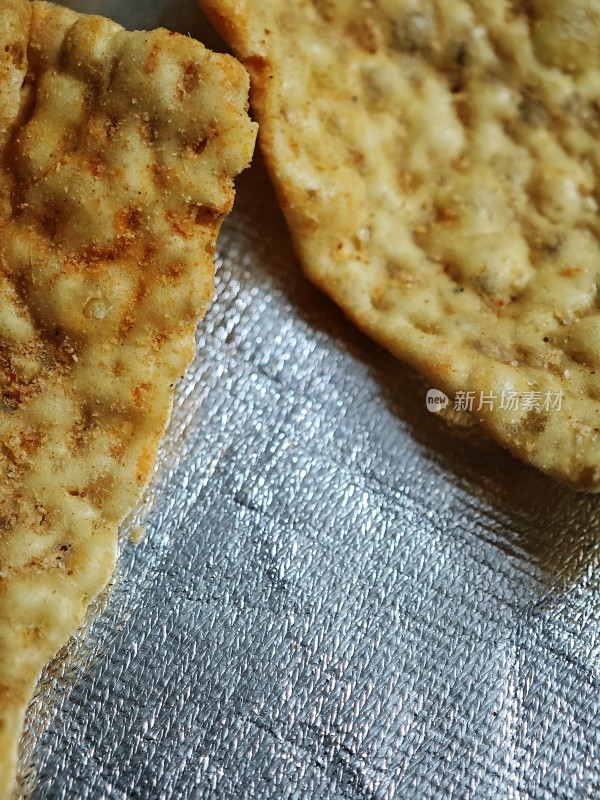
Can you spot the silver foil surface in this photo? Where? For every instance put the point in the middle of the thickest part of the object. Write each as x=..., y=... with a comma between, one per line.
x=336, y=596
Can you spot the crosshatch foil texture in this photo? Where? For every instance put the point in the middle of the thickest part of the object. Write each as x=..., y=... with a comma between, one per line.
x=336, y=596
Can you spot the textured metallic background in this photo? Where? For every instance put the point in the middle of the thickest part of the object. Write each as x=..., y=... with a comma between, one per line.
x=336, y=596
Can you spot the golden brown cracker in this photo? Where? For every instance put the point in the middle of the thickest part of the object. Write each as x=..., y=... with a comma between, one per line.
x=438, y=166
x=117, y=157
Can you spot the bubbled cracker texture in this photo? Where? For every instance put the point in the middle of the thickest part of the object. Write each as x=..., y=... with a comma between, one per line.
x=438, y=166
x=118, y=152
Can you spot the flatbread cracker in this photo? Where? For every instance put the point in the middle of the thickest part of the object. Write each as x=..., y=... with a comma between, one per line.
x=118, y=152
x=438, y=166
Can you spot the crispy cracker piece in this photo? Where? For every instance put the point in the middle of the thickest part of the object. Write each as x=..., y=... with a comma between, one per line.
x=117, y=157
x=438, y=166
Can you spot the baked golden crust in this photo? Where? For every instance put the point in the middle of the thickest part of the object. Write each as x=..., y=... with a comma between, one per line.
x=438, y=166
x=117, y=157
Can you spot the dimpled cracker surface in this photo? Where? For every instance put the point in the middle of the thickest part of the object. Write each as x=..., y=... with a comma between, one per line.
x=438, y=167
x=118, y=152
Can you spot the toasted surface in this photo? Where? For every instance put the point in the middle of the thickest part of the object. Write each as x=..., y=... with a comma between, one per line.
x=438, y=166
x=117, y=157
